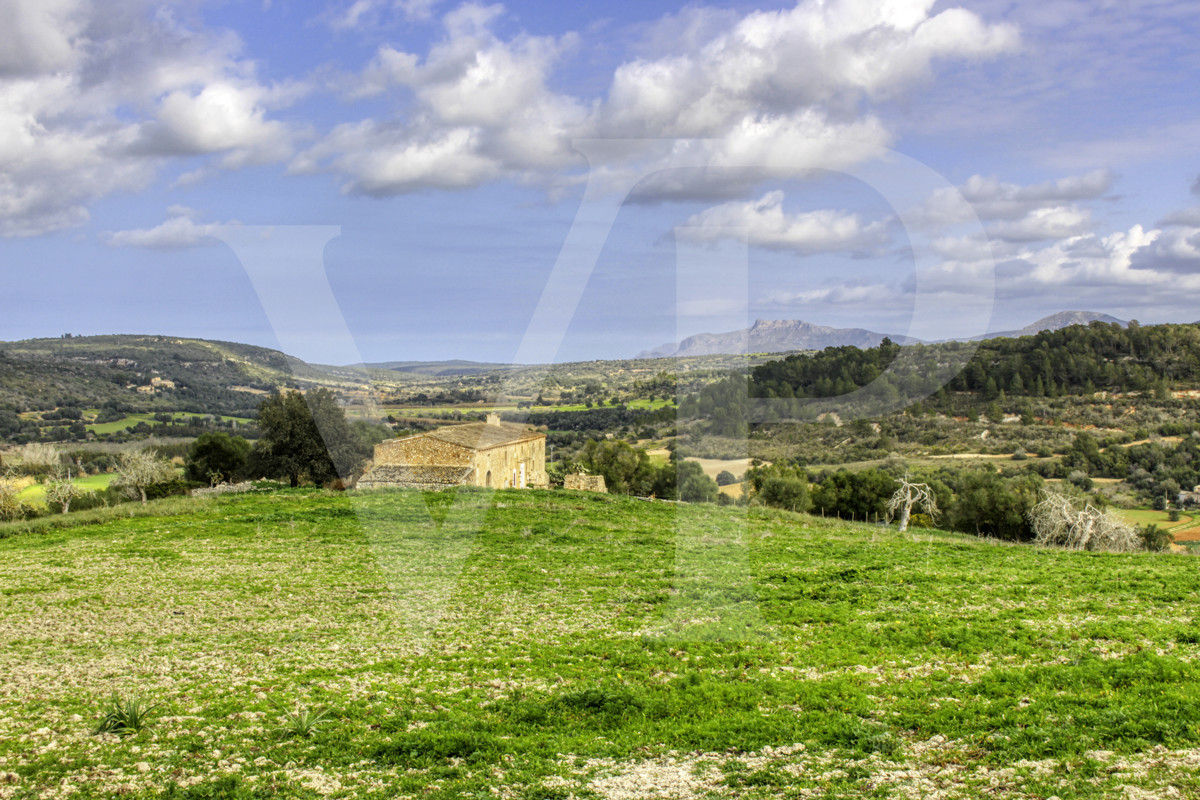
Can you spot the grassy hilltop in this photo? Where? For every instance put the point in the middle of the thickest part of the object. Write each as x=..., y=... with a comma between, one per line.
x=584, y=646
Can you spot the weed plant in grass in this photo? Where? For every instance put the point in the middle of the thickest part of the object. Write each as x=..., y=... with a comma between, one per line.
x=565, y=657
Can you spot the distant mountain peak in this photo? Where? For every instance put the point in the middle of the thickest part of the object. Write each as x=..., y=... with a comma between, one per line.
x=773, y=336
x=1065, y=319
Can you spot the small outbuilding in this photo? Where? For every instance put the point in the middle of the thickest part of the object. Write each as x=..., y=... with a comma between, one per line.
x=492, y=454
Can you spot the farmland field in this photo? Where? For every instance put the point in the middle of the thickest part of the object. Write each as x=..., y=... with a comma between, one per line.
x=1147, y=516
x=584, y=646
x=90, y=483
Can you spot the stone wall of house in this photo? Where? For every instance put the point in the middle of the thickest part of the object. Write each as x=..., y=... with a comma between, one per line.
x=421, y=451
x=585, y=483
x=430, y=478
x=503, y=462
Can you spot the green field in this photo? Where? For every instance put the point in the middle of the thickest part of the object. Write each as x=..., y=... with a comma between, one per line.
x=89, y=483
x=132, y=420
x=585, y=646
x=1147, y=516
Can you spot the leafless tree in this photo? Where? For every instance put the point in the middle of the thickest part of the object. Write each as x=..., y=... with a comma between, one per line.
x=61, y=490
x=1060, y=522
x=140, y=470
x=909, y=495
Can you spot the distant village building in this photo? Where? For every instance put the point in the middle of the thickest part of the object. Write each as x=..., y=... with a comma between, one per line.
x=162, y=383
x=493, y=454
x=1188, y=499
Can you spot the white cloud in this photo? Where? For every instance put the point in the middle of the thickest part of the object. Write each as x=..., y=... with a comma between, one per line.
x=1040, y=224
x=779, y=92
x=178, y=232
x=110, y=94
x=865, y=295
x=385, y=161
x=764, y=223
x=989, y=199
x=37, y=36
x=219, y=117
x=360, y=14
x=1152, y=272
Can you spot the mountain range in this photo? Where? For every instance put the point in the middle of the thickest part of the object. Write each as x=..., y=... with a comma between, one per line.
x=778, y=336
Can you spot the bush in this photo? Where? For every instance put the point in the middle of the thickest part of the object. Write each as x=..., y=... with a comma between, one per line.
x=1154, y=538
x=786, y=492
x=726, y=478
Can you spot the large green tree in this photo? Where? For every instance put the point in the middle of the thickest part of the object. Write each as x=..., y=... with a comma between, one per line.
x=306, y=436
x=218, y=457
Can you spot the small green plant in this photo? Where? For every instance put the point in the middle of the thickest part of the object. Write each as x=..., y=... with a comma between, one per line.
x=125, y=717
x=301, y=723
x=1154, y=538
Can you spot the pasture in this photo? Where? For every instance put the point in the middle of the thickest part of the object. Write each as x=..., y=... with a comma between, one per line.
x=36, y=492
x=539, y=644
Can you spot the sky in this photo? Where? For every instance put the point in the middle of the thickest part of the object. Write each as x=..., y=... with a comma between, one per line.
x=388, y=180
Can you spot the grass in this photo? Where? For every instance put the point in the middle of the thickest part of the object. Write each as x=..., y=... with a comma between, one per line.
x=550, y=644
x=36, y=493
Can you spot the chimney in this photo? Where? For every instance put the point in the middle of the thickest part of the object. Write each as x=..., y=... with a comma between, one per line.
x=493, y=419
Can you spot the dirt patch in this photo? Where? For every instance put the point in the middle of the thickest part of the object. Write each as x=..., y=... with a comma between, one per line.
x=1187, y=535
x=715, y=466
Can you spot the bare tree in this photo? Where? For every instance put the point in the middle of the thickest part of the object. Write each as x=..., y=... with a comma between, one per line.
x=61, y=490
x=139, y=470
x=1058, y=521
x=909, y=495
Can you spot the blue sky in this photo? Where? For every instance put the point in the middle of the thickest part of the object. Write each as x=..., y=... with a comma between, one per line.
x=543, y=180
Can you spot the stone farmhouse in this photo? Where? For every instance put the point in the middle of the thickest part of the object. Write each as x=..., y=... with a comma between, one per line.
x=494, y=454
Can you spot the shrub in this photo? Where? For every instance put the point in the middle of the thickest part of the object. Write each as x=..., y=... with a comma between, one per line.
x=1154, y=538
x=726, y=478
x=786, y=492
x=301, y=723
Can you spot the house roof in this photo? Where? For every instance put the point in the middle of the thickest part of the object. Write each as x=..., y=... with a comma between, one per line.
x=482, y=435
x=473, y=435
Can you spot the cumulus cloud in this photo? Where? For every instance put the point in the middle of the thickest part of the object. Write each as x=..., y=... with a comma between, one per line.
x=1040, y=224
x=484, y=112
x=776, y=91
x=94, y=99
x=764, y=223
x=178, y=232
x=1151, y=270
x=990, y=199
x=219, y=117
x=36, y=36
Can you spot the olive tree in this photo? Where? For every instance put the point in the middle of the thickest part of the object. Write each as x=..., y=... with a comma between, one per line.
x=138, y=470
x=61, y=490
